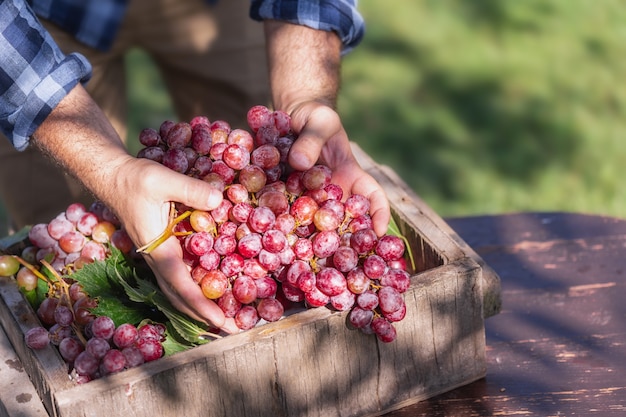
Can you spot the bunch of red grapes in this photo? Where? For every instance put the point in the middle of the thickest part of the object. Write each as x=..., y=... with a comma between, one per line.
x=76, y=236
x=102, y=348
x=92, y=346
x=280, y=236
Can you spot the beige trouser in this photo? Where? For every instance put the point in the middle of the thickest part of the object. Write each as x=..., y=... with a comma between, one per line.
x=211, y=59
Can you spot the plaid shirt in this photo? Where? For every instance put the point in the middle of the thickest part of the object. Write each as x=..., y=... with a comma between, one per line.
x=35, y=75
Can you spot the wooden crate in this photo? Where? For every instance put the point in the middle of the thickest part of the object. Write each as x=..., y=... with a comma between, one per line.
x=307, y=364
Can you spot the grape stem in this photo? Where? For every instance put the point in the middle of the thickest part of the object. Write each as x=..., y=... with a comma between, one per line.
x=167, y=233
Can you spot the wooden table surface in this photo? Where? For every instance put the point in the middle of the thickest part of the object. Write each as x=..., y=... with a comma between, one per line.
x=556, y=349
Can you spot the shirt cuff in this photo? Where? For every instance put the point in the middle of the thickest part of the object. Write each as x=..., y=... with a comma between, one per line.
x=339, y=16
x=45, y=96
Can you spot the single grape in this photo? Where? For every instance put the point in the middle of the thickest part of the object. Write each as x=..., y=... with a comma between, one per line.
x=326, y=219
x=345, y=258
x=225, y=244
x=266, y=287
x=214, y=284
x=282, y=121
x=40, y=237
x=357, y=205
x=219, y=131
x=363, y=241
x=270, y=309
x=385, y=332
x=253, y=178
x=9, y=265
x=258, y=116
x=274, y=241
x=97, y=347
x=199, y=243
x=325, y=243
x=125, y=335
x=149, y=137
x=247, y=317
x=360, y=317
x=250, y=245
x=112, y=362
x=316, y=298
x=269, y=260
x=45, y=311
x=178, y=135
x=222, y=169
x=244, y=289
x=63, y=315
x=396, y=278
x=103, y=327
x=94, y=251
x=153, y=153
x=389, y=299
x=59, y=226
x=176, y=159
x=265, y=156
x=232, y=264
x=86, y=364
x=330, y=281
x=150, y=349
x=228, y=303
x=316, y=177
x=75, y=211
x=121, y=241
x=357, y=280
x=261, y=219
x=201, y=140
x=275, y=201
x=133, y=356
x=397, y=315
x=165, y=128
x=72, y=241
x=87, y=222
x=69, y=348
x=37, y=338
x=242, y=138
x=374, y=266
x=292, y=292
x=25, y=278
x=236, y=156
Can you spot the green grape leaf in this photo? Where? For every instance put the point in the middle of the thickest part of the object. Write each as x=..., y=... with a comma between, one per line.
x=100, y=281
x=147, y=292
x=394, y=230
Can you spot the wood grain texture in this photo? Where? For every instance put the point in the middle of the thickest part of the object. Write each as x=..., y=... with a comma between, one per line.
x=558, y=346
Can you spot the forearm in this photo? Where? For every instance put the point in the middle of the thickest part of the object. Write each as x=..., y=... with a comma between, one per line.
x=77, y=135
x=304, y=64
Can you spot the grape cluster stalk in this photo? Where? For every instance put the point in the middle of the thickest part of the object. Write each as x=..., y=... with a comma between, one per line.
x=280, y=236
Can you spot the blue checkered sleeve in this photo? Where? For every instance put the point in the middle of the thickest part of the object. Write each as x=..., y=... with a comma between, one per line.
x=340, y=16
x=34, y=74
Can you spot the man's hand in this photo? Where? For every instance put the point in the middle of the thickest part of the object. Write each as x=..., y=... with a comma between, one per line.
x=79, y=137
x=305, y=73
x=323, y=139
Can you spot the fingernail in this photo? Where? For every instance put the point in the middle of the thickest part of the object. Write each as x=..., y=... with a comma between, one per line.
x=300, y=160
x=215, y=199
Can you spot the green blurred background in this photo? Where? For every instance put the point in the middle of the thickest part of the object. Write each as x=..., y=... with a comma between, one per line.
x=482, y=106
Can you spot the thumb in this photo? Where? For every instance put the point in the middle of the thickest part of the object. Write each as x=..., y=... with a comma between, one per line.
x=315, y=127
x=193, y=192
